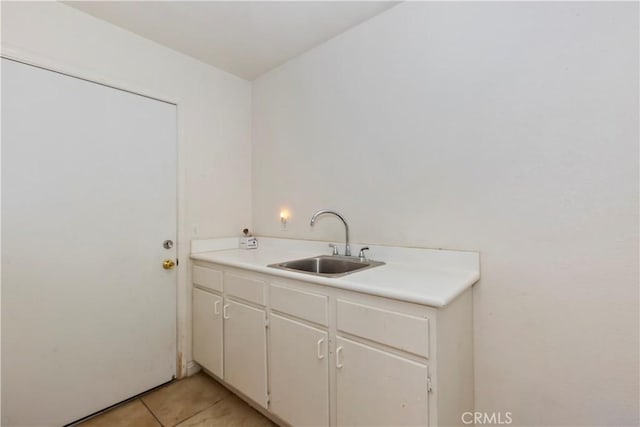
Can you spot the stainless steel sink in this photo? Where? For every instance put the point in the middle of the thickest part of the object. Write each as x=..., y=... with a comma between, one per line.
x=328, y=266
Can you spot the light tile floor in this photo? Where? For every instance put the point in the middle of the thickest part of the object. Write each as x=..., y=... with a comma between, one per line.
x=197, y=401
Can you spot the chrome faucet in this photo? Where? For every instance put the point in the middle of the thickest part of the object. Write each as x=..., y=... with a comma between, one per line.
x=347, y=247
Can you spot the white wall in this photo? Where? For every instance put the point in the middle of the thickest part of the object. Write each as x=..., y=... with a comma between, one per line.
x=509, y=128
x=214, y=110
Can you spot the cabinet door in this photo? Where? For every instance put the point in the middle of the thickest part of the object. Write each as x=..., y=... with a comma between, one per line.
x=207, y=330
x=299, y=372
x=378, y=388
x=245, y=350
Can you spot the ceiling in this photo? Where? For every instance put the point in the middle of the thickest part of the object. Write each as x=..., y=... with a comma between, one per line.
x=245, y=38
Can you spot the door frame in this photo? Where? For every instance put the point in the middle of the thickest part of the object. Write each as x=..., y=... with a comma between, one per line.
x=183, y=249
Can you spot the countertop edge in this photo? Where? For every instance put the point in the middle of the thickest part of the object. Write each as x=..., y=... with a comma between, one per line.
x=345, y=284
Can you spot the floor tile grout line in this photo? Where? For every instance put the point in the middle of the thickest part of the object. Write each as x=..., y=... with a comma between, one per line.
x=202, y=410
x=151, y=412
x=171, y=423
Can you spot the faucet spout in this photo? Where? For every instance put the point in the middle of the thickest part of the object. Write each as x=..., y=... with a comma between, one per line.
x=347, y=247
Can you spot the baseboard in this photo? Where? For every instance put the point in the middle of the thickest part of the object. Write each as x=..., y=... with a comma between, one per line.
x=192, y=368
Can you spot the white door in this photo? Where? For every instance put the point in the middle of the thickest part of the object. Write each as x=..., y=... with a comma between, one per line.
x=376, y=388
x=88, y=197
x=245, y=350
x=207, y=330
x=299, y=372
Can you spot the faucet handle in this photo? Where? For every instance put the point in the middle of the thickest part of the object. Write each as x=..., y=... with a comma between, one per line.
x=361, y=256
x=335, y=249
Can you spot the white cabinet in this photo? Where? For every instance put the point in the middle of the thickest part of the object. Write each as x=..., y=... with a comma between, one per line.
x=229, y=336
x=385, y=362
x=245, y=350
x=374, y=387
x=317, y=355
x=207, y=330
x=299, y=372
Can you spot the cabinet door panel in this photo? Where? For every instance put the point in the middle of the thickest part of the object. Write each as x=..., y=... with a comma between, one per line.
x=245, y=350
x=207, y=330
x=299, y=372
x=378, y=388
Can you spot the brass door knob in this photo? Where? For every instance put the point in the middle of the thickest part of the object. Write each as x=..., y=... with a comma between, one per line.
x=168, y=264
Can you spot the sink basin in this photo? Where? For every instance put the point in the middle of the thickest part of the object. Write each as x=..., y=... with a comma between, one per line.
x=328, y=266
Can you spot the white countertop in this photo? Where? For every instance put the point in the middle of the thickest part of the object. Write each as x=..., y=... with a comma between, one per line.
x=432, y=277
